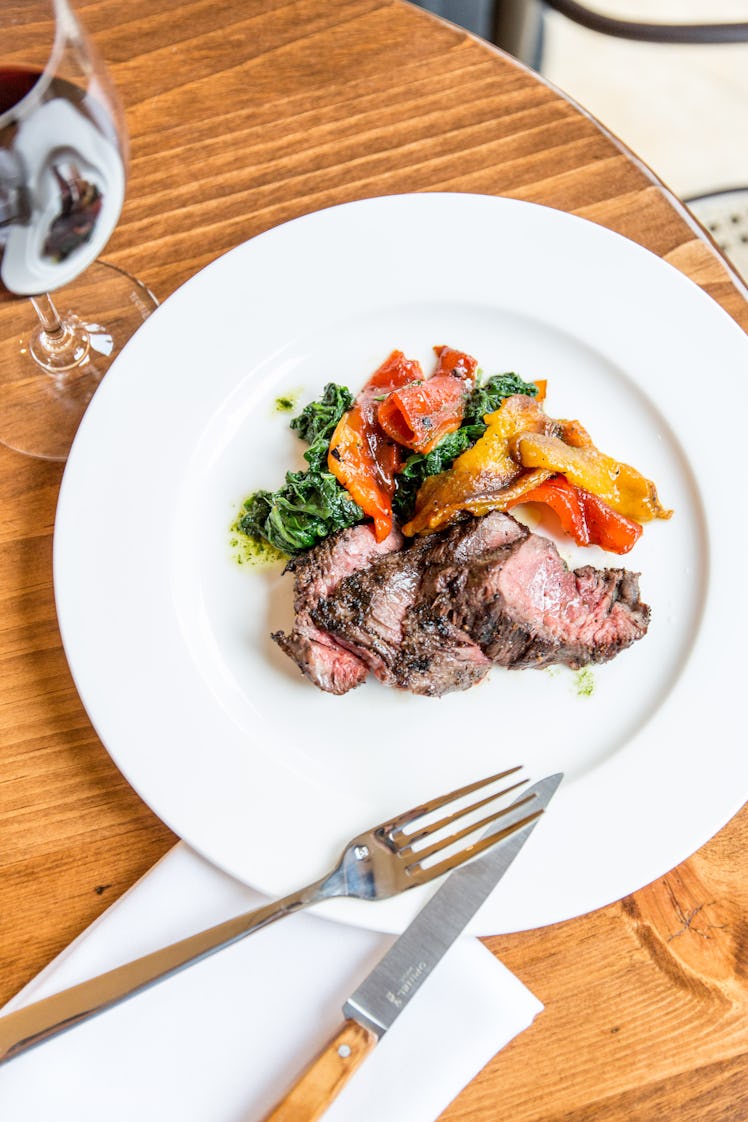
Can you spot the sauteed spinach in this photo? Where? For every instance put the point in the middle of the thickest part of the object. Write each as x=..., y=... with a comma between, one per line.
x=312, y=504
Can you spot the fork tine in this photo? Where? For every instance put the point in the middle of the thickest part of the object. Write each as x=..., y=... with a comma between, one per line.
x=423, y=876
x=402, y=820
x=444, y=843
x=432, y=828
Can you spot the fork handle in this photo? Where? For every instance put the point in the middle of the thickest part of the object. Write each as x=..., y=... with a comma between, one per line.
x=326, y=1076
x=44, y=1019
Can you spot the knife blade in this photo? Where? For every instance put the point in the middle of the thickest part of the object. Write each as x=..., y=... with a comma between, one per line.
x=393, y=983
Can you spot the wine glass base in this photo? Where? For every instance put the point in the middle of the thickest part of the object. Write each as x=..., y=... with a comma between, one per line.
x=40, y=409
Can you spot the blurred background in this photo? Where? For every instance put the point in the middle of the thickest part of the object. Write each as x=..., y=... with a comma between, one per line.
x=682, y=107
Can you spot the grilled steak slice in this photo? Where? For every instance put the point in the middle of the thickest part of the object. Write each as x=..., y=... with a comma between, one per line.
x=317, y=573
x=524, y=607
x=615, y=615
x=436, y=657
x=379, y=614
x=366, y=611
x=395, y=614
x=434, y=616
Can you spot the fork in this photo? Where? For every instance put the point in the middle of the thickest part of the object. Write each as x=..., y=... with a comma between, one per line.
x=376, y=864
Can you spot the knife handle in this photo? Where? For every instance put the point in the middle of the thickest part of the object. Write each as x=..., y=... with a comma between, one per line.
x=326, y=1076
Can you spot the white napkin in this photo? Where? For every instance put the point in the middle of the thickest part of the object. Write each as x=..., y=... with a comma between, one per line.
x=223, y=1040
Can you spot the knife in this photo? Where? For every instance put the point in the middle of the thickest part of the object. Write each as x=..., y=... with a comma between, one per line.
x=373, y=1008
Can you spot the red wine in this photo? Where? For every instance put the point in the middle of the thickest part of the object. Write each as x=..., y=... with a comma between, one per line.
x=15, y=83
x=61, y=180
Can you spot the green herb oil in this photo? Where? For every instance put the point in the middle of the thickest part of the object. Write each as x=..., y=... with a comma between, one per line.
x=254, y=552
x=286, y=403
x=585, y=682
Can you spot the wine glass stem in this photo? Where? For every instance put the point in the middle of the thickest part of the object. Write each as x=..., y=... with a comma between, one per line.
x=58, y=344
x=49, y=317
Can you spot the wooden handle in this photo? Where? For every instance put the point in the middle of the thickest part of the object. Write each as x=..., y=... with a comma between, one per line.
x=326, y=1076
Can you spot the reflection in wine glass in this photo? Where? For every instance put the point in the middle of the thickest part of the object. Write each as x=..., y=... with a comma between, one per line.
x=63, y=157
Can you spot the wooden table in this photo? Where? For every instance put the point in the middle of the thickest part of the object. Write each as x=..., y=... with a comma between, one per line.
x=242, y=114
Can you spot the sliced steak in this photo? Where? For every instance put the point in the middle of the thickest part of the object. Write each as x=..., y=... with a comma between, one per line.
x=366, y=611
x=379, y=614
x=433, y=616
x=317, y=573
x=394, y=614
x=435, y=656
x=524, y=607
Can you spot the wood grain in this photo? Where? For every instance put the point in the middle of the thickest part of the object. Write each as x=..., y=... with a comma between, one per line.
x=242, y=114
x=326, y=1076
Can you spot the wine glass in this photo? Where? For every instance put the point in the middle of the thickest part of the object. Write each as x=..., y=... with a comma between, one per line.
x=63, y=158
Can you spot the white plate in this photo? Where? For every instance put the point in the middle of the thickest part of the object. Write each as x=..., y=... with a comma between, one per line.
x=168, y=637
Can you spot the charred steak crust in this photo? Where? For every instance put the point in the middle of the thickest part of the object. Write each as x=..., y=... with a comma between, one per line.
x=436, y=657
x=526, y=608
x=366, y=611
x=318, y=654
x=434, y=615
x=381, y=615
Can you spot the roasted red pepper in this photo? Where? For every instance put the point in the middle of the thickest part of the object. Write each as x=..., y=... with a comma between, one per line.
x=421, y=413
x=607, y=528
x=362, y=456
x=585, y=517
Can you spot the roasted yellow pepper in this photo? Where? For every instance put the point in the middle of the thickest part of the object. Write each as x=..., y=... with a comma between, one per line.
x=487, y=476
x=621, y=486
x=521, y=448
